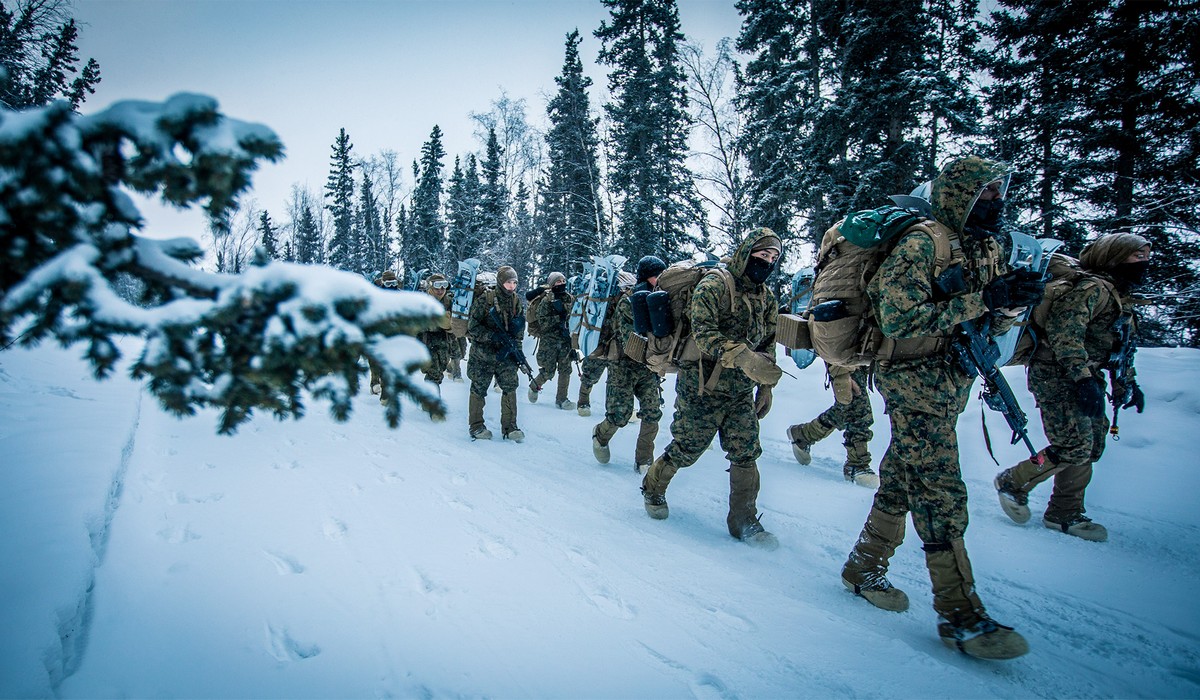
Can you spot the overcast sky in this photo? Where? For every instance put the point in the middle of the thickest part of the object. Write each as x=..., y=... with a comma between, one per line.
x=386, y=71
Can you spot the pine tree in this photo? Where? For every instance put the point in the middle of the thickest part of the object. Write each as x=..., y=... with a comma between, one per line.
x=462, y=213
x=659, y=211
x=372, y=241
x=39, y=56
x=344, y=251
x=571, y=215
x=267, y=340
x=426, y=231
x=493, y=194
x=307, y=236
x=267, y=238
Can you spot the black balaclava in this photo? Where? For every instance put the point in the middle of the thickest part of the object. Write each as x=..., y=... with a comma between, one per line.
x=984, y=219
x=1130, y=275
x=758, y=270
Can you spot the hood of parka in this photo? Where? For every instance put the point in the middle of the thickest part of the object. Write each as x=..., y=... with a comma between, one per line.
x=737, y=261
x=956, y=188
x=1110, y=250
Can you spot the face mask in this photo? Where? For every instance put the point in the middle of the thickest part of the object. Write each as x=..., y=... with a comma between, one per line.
x=1131, y=274
x=984, y=219
x=758, y=270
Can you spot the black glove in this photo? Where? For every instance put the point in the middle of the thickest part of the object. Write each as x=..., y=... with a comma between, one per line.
x=1089, y=397
x=517, y=325
x=1017, y=288
x=1136, y=398
x=559, y=307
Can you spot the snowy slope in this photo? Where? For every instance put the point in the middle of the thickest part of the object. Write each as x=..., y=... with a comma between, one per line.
x=146, y=556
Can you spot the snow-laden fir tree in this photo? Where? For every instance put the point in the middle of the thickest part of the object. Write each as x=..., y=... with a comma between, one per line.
x=658, y=210
x=39, y=56
x=264, y=339
x=344, y=245
x=493, y=196
x=463, y=218
x=424, y=240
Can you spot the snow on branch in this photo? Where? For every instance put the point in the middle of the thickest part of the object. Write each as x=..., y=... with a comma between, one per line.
x=258, y=340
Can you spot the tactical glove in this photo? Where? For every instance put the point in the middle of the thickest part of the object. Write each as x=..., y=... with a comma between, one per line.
x=1089, y=397
x=1136, y=398
x=517, y=326
x=762, y=401
x=759, y=367
x=1015, y=289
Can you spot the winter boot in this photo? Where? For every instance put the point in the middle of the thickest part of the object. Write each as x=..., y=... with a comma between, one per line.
x=857, y=469
x=475, y=424
x=963, y=623
x=561, y=395
x=643, y=452
x=516, y=435
x=865, y=571
x=804, y=436
x=654, y=487
x=584, y=404
x=743, y=519
x=566, y=404
x=535, y=386
x=508, y=412
x=1080, y=526
x=603, y=432
x=1014, y=484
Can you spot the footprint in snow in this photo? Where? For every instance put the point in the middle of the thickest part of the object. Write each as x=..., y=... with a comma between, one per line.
x=496, y=548
x=177, y=535
x=284, y=564
x=735, y=621
x=334, y=529
x=281, y=645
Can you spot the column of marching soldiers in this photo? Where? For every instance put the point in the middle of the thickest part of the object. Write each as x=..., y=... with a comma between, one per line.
x=917, y=299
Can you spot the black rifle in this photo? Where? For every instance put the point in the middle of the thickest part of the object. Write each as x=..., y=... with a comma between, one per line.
x=1120, y=362
x=978, y=353
x=510, y=349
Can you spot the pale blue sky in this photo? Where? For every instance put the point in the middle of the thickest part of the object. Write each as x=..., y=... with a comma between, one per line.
x=386, y=71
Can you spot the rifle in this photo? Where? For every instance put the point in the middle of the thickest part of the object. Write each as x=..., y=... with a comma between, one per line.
x=1120, y=362
x=977, y=353
x=510, y=349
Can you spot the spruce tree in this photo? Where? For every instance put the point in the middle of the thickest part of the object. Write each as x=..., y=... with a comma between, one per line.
x=571, y=215
x=344, y=251
x=659, y=212
x=308, y=238
x=426, y=230
x=267, y=238
x=39, y=56
x=493, y=194
x=372, y=241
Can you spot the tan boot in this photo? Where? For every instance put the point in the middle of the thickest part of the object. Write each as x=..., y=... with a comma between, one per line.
x=865, y=571
x=584, y=405
x=963, y=623
x=601, y=434
x=804, y=436
x=1014, y=484
x=654, y=487
x=475, y=424
x=643, y=452
x=857, y=469
x=743, y=519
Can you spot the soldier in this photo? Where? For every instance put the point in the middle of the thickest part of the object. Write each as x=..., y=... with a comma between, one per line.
x=555, y=352
x=924, y=396
x=628, y=379
x=438, y=340
x=458, y=351
x=1086, y=325
x=494, y=314
x=386, y=280
x=851, y=413
x=736, y=337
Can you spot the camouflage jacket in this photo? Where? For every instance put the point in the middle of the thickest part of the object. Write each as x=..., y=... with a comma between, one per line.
x=748, y=318
x=480, y=327
x=1081, y=328
x=552, y=313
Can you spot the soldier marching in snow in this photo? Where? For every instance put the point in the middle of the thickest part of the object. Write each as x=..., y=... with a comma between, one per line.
x=591, y=370
x=439, y=340
x=497, y=321
x=628, y=379
x=736, y=337
x=1086, y=328
x=554, y=351
x=924, y=396
x=851, y=413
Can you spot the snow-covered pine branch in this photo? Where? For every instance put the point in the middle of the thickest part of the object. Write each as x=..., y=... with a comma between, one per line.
x=257, y=340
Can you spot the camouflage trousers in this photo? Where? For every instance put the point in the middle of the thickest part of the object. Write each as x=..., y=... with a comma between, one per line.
x=855, y=418
x=482, y=368
x=1076, y=442
x=698, y=418
x=628, y=380
x=458, y=351
x=554, y=355
x=920, y=474
x=593, y=368
x=439, y=343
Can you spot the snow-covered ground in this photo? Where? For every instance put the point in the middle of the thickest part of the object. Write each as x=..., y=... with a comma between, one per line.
x=145, y=556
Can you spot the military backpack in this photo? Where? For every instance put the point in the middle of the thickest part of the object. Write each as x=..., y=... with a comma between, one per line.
x=1064, y=274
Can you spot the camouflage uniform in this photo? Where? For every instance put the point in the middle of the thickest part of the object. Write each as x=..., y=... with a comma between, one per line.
x=1080, y=333
x=854, y=418
x=924, y=396
x=591, y=370
x=438, y=340
x=727, y=409
x=554, y=351
x=458, y=351
x=386, y=280
x=484, y=364
x=628, y=379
